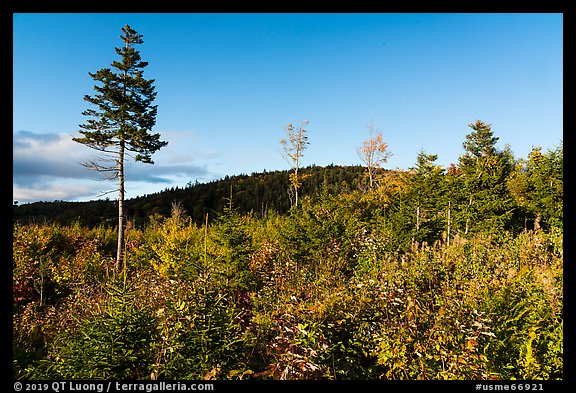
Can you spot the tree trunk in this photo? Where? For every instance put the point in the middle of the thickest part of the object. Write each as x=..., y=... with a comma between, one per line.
x=296, y=184
x=449, y=223
x=296, y=195
x=537, y=222
x=120, y=250
x=468, y=218
x=370, y=176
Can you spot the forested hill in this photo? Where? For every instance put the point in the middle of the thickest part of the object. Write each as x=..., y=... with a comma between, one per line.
x=258, y=193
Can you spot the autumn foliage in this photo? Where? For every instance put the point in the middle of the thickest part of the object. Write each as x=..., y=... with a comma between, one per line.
x=364, y=284
x=373, y=153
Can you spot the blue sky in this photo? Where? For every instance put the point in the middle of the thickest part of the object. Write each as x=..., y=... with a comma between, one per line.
x=228, y=84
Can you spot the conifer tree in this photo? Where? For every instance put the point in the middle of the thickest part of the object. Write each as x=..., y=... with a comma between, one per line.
x=122, y=120
x=537, y=186
x=485, y=171
x=428, y=192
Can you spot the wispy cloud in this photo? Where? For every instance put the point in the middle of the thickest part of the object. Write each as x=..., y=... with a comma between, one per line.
x=47, y=166
x=161, y=173
x=52, y=192
x=26, y=139
x=41, y=157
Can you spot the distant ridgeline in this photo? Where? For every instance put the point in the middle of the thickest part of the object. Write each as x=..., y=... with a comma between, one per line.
x=258, y=193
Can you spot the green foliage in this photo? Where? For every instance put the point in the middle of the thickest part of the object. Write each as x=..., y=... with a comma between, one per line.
x=125, y=114
x=527, y=307
x=486, y=203
x=234, y=244
x=111, y=342
x=310, y=301
x=172, y=247
x=537, y=186
x=321, y=236
x=429, y=199
x=49, y=260
x=260, y=193
x=201, y=331
x=378, y=284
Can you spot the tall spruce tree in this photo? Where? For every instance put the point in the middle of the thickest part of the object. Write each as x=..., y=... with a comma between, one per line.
x=123, y=119
x=427, y=187
x=485, y=171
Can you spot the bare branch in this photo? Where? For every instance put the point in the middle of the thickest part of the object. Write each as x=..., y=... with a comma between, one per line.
x=107, y=192
x=110, y=172
x=293, y=150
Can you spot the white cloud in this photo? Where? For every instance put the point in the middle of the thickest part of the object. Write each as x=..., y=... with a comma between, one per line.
x=38, y=157
x=46, y=166
x=51, y=192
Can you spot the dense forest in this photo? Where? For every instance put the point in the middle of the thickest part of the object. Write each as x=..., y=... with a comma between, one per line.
x=425, y=273
x=258, y=193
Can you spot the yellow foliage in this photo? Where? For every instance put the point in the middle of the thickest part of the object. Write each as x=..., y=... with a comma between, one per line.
x=174, y=247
